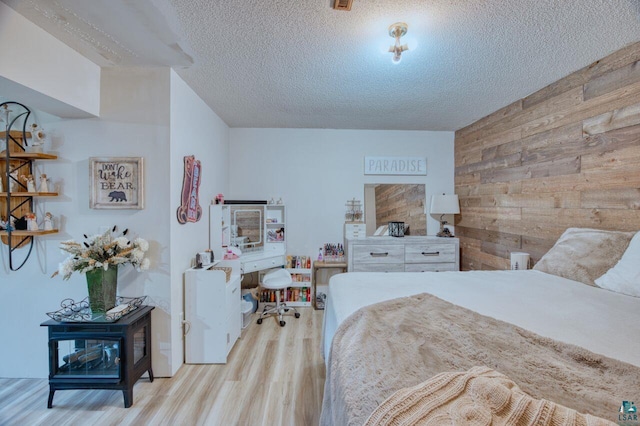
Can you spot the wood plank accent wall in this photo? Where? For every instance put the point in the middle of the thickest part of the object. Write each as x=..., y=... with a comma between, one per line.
x=565, y=156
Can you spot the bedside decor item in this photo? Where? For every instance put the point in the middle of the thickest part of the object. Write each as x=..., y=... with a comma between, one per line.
x=444, y=204
x=31, y=184
x=353, y=211
x=190, y=209
x=116, y=183
x=99, y=257
x=396, y=229
x=37, y=138
x=48, y=222
x=32, y=224
x=519, y=261
x=44, y=183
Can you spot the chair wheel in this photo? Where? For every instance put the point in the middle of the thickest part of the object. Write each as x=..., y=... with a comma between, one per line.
x=297, y=314
x=282, y=323
x=259, y=321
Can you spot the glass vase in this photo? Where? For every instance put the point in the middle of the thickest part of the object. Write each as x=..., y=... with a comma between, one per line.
x=102, y=285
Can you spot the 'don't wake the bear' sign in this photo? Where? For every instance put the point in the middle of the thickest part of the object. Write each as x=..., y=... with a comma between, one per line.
x=116, y=183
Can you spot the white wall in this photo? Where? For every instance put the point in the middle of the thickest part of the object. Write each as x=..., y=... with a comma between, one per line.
x=43, y=71
x=138, y=108
x=316, y=171
x=29, y=293
x=195, y=130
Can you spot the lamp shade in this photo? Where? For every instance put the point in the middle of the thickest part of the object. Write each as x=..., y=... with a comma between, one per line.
x=445, y=204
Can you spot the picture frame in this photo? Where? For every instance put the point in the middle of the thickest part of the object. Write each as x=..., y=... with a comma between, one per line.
x=116, y=183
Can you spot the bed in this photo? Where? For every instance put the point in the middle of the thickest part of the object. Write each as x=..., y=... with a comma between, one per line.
x=556, y=338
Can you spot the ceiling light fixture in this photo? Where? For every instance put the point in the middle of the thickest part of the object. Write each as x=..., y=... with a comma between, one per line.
x=396, y=31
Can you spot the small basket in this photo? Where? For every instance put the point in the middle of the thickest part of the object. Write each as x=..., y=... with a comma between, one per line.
x=226, y=269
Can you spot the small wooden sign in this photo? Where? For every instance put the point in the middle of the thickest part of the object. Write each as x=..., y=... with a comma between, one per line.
x=116, y=183
x=413, y=166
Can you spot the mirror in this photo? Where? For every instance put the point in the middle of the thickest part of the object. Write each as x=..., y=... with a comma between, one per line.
x=395, y=202
x=246, y=226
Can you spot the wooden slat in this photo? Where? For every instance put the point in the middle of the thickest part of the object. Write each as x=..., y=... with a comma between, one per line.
x=612, y=80
x=622, y=97
x=597, y=178
x=625, y=159
x=499, y=115
x=556, y=167
x=495, y=237
x=611, y=120
x=611, y=219
x=618, y=59
x=497, y=163
x=558, y=105
x=551, y=200
x=615, y=198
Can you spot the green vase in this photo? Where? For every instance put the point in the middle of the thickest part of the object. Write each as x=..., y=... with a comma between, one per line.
x=102, y=286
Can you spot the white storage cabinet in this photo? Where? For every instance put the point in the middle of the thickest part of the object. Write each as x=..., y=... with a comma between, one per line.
x=213, y=317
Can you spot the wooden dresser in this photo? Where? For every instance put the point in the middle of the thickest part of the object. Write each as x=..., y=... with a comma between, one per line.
x=405, y=254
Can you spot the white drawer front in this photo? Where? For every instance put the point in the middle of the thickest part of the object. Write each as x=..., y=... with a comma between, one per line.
x=355, y=230
x=378, y=267
x=258, y=265
x=381, y=253
x=429, y=267
x=430, y=253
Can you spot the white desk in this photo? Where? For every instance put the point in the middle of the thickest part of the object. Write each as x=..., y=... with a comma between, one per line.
x=260, y=260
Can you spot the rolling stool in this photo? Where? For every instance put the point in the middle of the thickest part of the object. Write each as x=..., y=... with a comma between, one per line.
x=277, y=280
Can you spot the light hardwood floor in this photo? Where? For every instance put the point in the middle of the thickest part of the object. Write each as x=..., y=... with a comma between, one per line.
x=275, y=376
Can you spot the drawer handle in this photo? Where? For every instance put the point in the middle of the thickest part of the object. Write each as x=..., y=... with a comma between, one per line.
x=379, y=254
x=234, y=290
x=431, y=253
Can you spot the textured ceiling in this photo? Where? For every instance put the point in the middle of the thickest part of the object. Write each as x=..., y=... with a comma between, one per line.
x=299, y=63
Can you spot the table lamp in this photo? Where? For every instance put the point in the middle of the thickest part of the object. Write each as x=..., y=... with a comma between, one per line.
x=444, y=204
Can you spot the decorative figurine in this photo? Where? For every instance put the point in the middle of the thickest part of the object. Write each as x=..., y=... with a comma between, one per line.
x=48, y=221
x=31, y=184
x=32, y=224
x=37, y=138
x=44, y=183
x=13, y=183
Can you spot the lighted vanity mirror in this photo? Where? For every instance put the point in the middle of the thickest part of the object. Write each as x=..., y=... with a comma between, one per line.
x=395, y=202
x=246, y=226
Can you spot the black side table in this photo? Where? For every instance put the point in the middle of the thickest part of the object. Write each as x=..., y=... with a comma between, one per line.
x=100, y=355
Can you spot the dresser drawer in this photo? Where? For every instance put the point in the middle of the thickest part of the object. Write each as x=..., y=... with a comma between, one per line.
x=430, y=253
x=378, y=253
x=250, y=265
x=378, y=267
x=430, y=267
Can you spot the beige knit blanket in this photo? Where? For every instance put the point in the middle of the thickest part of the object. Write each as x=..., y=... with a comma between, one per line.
x=478, y=397
x=403, y=342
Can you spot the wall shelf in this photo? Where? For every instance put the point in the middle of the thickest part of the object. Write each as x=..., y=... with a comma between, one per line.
x=15, y=164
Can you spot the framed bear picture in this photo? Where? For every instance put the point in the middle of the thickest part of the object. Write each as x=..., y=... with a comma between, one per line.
x=116, y=183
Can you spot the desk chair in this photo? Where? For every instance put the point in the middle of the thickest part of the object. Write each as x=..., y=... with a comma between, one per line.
x=277, y=280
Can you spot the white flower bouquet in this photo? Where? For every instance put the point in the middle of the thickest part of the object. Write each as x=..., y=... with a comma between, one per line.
x=103, y=251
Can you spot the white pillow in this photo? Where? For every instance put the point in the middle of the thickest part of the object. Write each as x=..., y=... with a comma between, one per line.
x=625, y=276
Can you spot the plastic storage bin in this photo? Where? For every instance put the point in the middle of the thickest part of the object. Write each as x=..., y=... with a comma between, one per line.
x=247, y=310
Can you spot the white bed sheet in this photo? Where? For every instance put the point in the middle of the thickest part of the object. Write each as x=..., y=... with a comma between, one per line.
x=599, y=320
